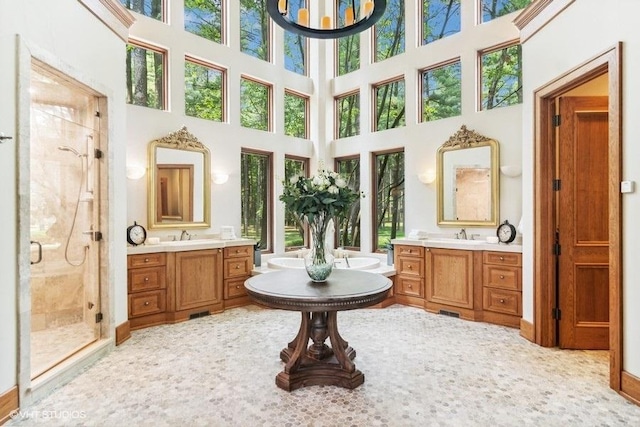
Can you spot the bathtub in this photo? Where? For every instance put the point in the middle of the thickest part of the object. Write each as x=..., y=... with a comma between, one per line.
x=355, y=263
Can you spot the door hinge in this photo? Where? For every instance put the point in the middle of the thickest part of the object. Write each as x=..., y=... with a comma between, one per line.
x=98, y=317
x=556, y=249
x=555, y=120
x=97, y=153
x=556, y=313
x=556, y=185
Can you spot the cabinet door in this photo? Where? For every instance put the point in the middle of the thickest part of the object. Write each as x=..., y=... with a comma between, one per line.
x=449, y=277
x=198, y=278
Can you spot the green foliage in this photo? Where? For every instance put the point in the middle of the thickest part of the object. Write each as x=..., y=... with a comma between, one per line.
x=492, y=9
x=389, y=202
x=325, y=194
x=348, y=228
x=254, y=28
x=255, y=172
x=390, y=105
x=502, y=77
x=254, y=105
x=145, y=77
x=203, y=92
x=441, y=92
x=348, y=54
x=295, y=115
x=348, y=115
x=150, y=8
x=440, y=18
x=389, y=31
x=294, y=228
x=204, y=18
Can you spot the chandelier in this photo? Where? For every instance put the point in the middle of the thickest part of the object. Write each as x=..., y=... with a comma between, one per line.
x=355, y=21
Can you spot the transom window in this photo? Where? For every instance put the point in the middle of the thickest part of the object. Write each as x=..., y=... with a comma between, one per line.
x=389, y=31
x=501, y=77
x=255, y=29
x=296, y=115
x=389, y=105
x=440, y=18
x=441, y=92
x=347, y=109
x=347, y=48
x=205, y=18
x=204, y=90
x=151, y=8
x=255, y=195
x=145, y=75
x=492, y=9
x=295, y=45
x=255, y=104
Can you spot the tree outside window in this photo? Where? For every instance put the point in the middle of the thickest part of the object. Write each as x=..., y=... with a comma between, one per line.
x=388, y=214
x=441, y=94
x=145, y=69
x=389, y=31
x=255, y=29
x=204, y=91
x=348, y=228
x=389, y=105
x=296, y=233
x=296, y=110
x=151, y=8
x=255, y=193
x=295, y=45
x=255, y=104
x=492, y=9
x=347, y=115
x=440, y=18
x=501, y=75
x=205, y=19
x=347, y=48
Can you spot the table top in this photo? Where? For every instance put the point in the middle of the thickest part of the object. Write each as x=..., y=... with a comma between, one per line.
x=294, y=290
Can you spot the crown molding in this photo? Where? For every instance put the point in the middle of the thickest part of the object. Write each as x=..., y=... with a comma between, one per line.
x=538, y=14
x=115, y=16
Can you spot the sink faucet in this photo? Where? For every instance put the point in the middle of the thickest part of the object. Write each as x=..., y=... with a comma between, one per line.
x=462, y=234
x=184, y=235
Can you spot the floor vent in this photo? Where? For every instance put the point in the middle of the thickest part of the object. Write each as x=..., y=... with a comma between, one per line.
x=450, y=313
x=201, y=314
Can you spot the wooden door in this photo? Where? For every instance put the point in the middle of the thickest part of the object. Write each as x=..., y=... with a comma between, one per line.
x=198, y=279
x=582, y=223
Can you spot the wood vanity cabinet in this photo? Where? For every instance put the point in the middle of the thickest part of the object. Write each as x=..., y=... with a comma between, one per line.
x=198, y=283
x=502, y=287
x=451, y=275
x=409, y=280
x=238, y=263
x=147, y=289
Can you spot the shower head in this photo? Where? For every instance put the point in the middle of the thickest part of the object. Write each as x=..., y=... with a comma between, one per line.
x=67, y=148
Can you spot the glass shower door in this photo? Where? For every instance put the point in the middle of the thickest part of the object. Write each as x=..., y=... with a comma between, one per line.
x=63, y=215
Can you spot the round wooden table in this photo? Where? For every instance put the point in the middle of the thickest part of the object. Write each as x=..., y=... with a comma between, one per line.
x=319, y=303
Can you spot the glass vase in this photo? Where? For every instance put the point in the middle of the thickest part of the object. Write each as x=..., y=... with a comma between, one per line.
x=319, y=260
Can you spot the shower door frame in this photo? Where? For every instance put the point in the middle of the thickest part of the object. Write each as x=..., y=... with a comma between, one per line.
x=29, y=389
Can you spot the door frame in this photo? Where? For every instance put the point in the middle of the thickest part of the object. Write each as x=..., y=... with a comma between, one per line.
x=544, y=272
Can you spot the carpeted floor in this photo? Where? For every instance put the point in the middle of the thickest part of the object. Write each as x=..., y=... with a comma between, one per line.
x=420, y=369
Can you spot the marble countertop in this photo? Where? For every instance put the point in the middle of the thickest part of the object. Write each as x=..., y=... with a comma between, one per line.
x=187, y=245
x=467, y=245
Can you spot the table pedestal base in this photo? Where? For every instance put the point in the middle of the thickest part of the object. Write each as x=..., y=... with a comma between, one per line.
x=318, y=364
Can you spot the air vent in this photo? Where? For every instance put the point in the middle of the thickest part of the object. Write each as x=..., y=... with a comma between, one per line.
x=201, y=314
x=449, y=313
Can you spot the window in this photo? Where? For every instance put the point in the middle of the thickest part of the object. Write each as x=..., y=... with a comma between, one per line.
x=255, y=29
x=255, y=193
x=296, y=234
x=295, y=45
x=348, y=229
x=151, y=8
x=441, y=93
x=146, y=76
x=296, y=115
x=347, y=115
x=389, y=31
x=347, y=48
x=388, y=186
x=440, y=18
x=501, y=77
x=205, y=18
x=255, y=104
x=389, y=105
x=492, y=9
x=204, y=90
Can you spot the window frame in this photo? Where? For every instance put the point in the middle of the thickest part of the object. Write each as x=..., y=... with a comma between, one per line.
x=306, y=238
x=269, y=101
x=268, y=198
x=421, y=72
x=374, y=103
x=479, y=55
x=223, y=71
x=165, y=70
x=336, y=113
x=307, y=111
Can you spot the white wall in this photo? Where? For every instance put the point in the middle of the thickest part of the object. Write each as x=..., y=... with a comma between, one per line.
x=66, y=33
x=585, y=29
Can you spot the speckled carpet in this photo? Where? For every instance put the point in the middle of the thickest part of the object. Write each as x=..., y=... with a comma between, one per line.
x=420, y=369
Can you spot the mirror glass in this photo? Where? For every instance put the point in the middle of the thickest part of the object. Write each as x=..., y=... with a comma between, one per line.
x=467, y=180
x=179, y=180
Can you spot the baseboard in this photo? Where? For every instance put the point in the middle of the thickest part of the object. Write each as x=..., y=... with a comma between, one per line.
x=8, y=404
x=527, y=330
x=630, y=387
x=123, y=332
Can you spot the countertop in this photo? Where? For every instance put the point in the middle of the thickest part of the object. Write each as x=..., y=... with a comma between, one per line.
x=187, y=245
x=467, y=245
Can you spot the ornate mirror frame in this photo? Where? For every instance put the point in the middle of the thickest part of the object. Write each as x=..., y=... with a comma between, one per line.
x=461, y=140
x=185, y=141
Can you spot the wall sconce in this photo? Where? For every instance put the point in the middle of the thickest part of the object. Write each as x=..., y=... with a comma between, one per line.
x=511, y=170
x=219, y=177
x=427, y=177
x=135, y=171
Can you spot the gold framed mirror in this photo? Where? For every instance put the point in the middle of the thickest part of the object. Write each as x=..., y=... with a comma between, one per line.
x=179, y=183
x=467, y=178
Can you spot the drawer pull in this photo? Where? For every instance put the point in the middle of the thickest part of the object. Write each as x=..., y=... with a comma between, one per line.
x=501, y=276
x=146, y=303
x=237, y=267
x=146, y=260
x=501, y=300
x=501, y=258
x=237, y=286
x=409, y=250
x=409, y=267
x=146, y=279
x=237, y=251
x=410, y=286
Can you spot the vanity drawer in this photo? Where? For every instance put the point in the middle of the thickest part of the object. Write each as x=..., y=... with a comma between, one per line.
x=238, y=251
x=145, y=279
x=503, y=258
x=144, y=303
x=237, y=267
x=502, y=301
x=497, y=276
x=234, y=288
x=146, y=260
x=406, y=250
x=409, y=286
x=410, y=266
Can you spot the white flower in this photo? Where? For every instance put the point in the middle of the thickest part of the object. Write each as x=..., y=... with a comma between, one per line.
x=333, y=189
x=317, y=181
x=294, y=179
x=341, y=183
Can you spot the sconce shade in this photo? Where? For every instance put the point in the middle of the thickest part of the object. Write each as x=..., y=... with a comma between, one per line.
x=135, y=171
x=355, y=22
x=511, y=170
x=219, y=177
x=427, y=177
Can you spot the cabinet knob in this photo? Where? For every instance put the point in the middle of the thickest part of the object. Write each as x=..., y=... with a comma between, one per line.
x=237, y=251
x=409, y=250
x=410, y=286
x=501, y=276
x=409, y=266
x=146, y=260
x=501, y=258
x=146, y=279
x=146, y=303
x=237, y=286
x=237, y=267
x=502, y=300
